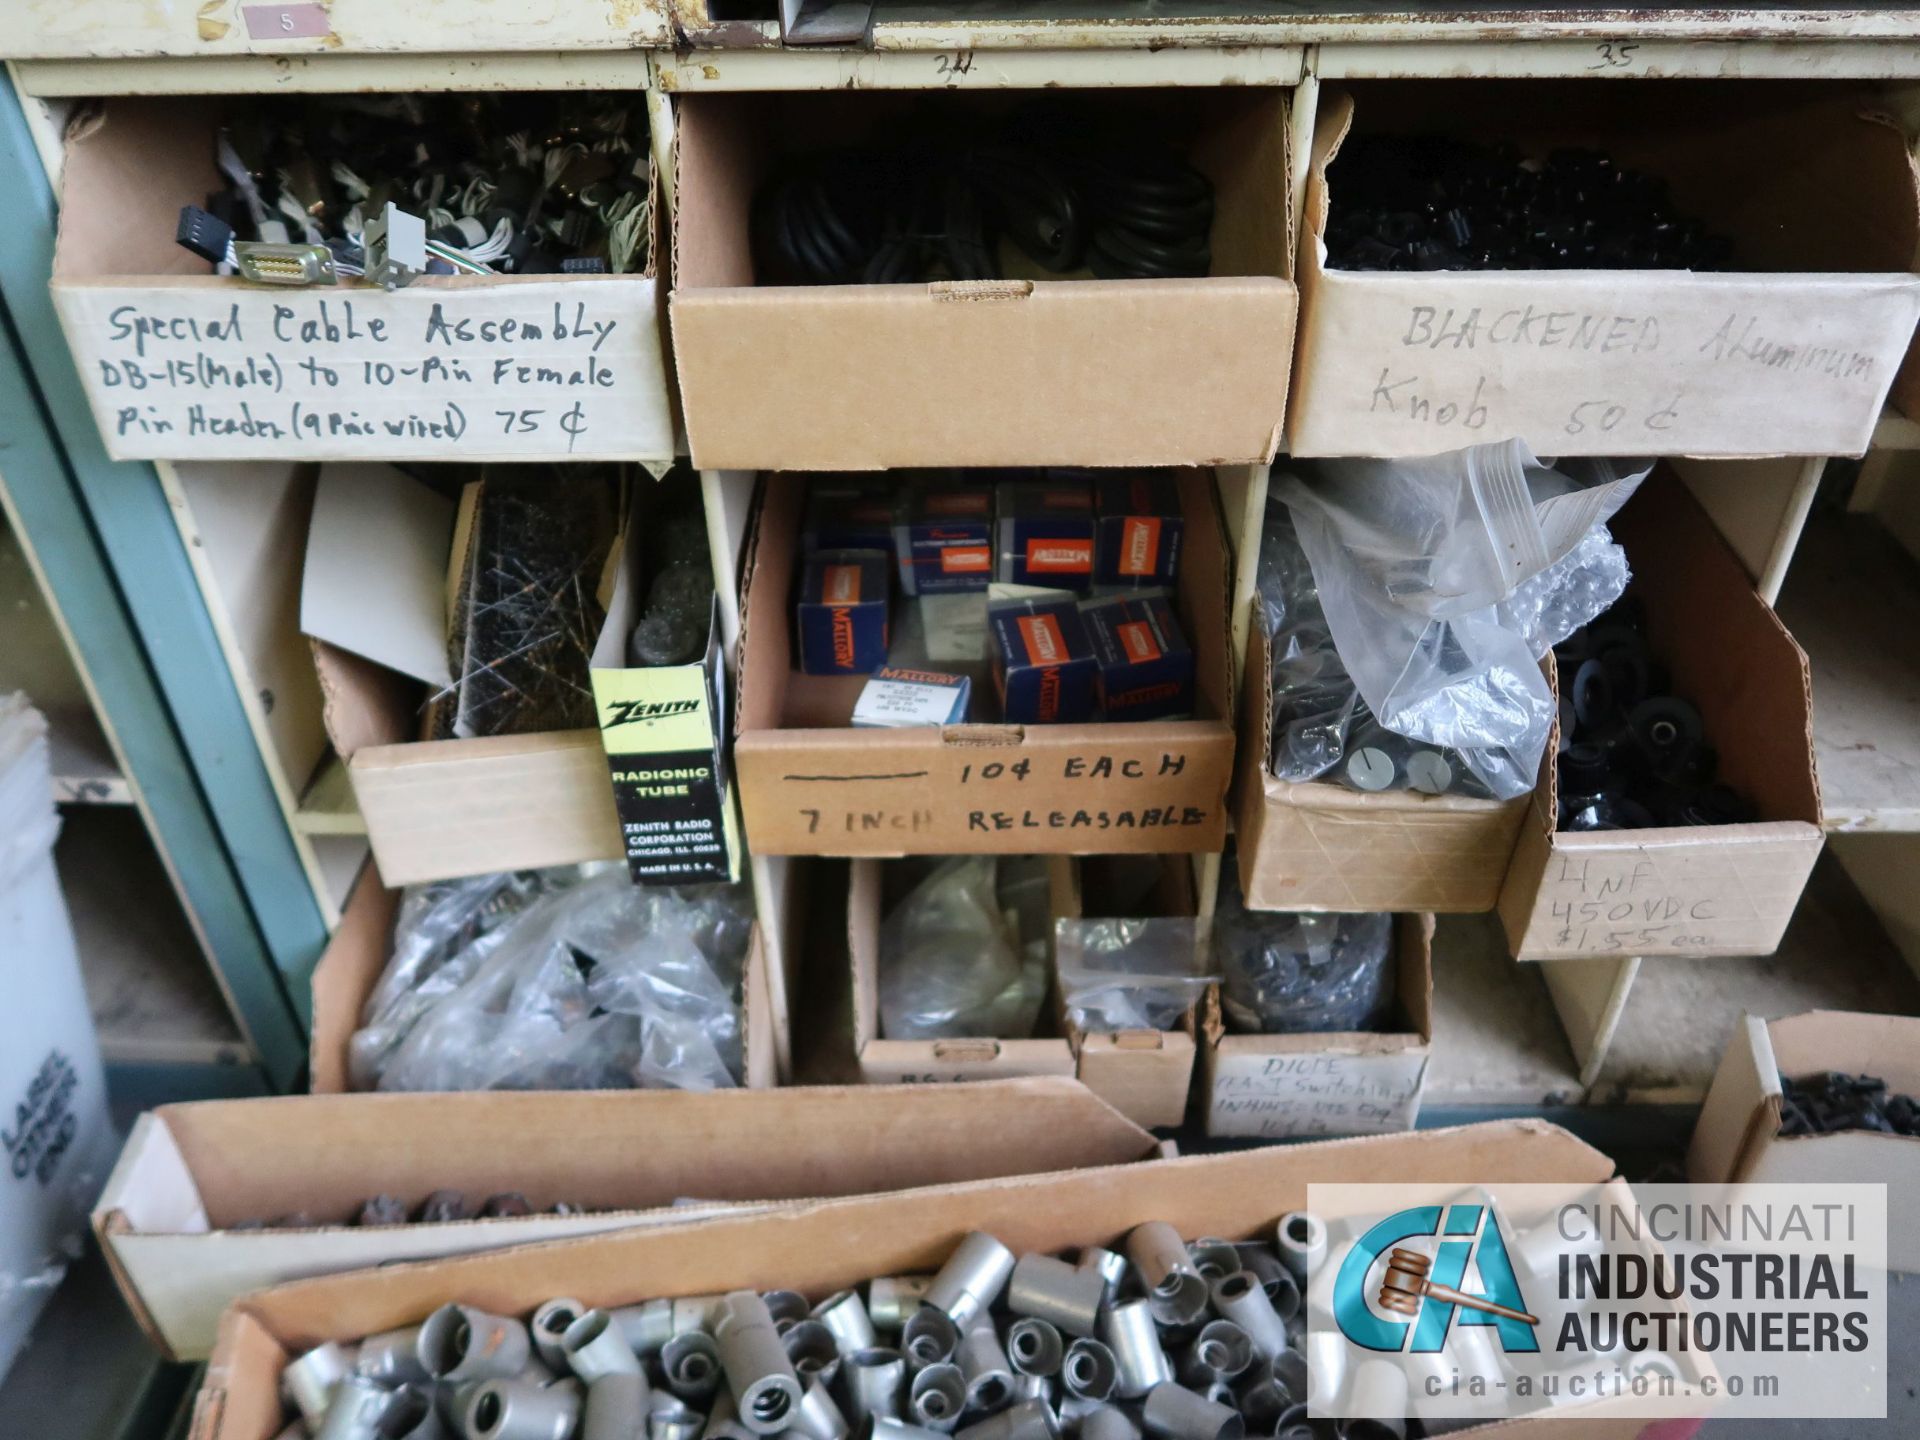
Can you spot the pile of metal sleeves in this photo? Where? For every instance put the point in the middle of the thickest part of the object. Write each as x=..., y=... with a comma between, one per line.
x=1171, y=1340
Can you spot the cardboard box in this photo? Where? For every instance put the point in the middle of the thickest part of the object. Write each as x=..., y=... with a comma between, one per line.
x=1280, y=1087
x=1044, y=668
x=190, y=1173
x=1144, y=1074
x=1147, y=1075
x=811, y=785
x=1792, y=353
x=1137, y=529
x=352, y=963
x=651, y=785
x=182, y=364
x=821, y=1248
x=1694, y=890
x=922, y=1062
x=1030, y=370
x=1324, y=846
x=1737, y=1139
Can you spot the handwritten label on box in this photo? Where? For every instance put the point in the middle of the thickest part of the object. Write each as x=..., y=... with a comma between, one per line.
x=1730, y=895
x=1281, y=1096
x=1623, y=363
x=503, y=370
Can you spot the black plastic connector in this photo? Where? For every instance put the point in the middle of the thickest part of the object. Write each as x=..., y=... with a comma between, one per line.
x=204, y=233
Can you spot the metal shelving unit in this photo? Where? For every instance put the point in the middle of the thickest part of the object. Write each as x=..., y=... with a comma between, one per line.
x=281, y=805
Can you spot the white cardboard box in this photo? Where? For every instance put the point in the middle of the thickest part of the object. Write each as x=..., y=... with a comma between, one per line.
x=1792, y=353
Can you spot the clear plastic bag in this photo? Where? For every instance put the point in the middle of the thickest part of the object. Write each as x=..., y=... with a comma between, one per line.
x=1287, y=973
x=597, y=984
x=1432, y=588
x=952, y=959
x=1141, y=974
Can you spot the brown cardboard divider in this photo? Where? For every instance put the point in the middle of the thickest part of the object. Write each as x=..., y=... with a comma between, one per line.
x=1102, y=788
x=182, y=364
x=1361, y=1082
x=818, y=1249
x=1147, y=1075
x=1791, y=352
x=1323, y=846
x=1026, y=371
x=1737, y=1141
x=1692, y=890
x=190, y=1173
x=352, y=963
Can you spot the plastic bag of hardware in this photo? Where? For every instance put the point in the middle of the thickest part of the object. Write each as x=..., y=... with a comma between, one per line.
x=444, y=931
x=1437, y=585
x=598, y=985
x=1134, y=974
x=1287, y=973
x=952, y=960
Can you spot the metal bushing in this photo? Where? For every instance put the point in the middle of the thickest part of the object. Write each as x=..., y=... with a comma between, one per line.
x=1033, y=1387
x=1110, y=1265
x=937, y=1397
x=845, y=1316
x=647, y=1327
x=671, y=1418
x=1027, y=1420
x=1173, y=1412
x=787, y=1307
x=691, y=1364
x=1301, y=1238
x=929, y=1338
x=1214, y=1258
x=723, y=1421
x=1090, y=1371
x=1052, y=1290
x=892, y=1300
x=814, y=1352
x=818, y=1418
x=546, y=1327
x=591, y=1346
x=989, y=1374
x=1108, y=1422
x=616, y=1406
x=1223, y=1350
x=459, y=1343
x=1241, y=1298
x=874, y=1382
x=354, y=1410
x=1035, y=1348
x=765, y=1388
x=309, y=1381
x=972, y=1278
x=1135, y=1341
x=1176, y=1291
x=883, y=1428
x=516, y=1410
x=411, y=1415
x=392, y=1357
x=1294, y=1425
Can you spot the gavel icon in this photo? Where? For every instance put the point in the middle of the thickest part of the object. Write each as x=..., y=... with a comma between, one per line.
x=1406, y=1281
